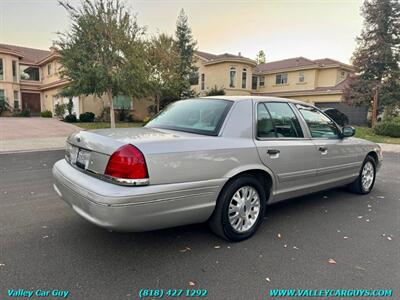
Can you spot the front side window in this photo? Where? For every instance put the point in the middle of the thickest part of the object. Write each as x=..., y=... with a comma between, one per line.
x=301, y=76
x=232, y=77
x=194, y=79
x=203, y=82
x=320, y=125
x=244, y=78
x=1, y=69
x=2, y=99
x=277, y=120
x=202, y=116
x=281, y=78
x=14, y=70
x=49, y=69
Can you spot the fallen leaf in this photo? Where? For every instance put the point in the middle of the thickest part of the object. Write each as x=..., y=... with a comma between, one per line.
x=381, y=197
x=359, y=217
x=279, y=236
x=229, y=247
x=267, y=279
x=345, y=237
x=191, y=283
x=294, y=247
x=217, y=247
x=45, y=237
x=44, y=227
x=338, y=230
x=367, y=220
x=260, y=256
x=285, y=246
x=185, y=250
x=332, y=261
x=369, y=205
x=360, y=268
x=389, y=238
x=2, y=265
x=325, y=197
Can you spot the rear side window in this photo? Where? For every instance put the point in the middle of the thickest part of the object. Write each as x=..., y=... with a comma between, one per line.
x=203, y=116
x=277, y=120
x=320, y=125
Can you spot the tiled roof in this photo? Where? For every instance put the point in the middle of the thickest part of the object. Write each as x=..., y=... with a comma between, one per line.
x=285, y=64
x=322, y=89
x=29, y=55
x=210, y=56
x=326, y=61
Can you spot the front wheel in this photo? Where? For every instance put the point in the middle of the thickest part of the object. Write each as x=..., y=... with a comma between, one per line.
x=366, y=179
x=240, y=209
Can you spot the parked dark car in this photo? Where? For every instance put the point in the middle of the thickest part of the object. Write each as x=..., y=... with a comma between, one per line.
x=339, y=117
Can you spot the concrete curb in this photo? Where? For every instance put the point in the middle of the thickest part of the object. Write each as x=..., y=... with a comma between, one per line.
x=395, y=148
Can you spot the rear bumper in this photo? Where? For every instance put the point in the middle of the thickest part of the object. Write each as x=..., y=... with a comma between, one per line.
x=143, y=208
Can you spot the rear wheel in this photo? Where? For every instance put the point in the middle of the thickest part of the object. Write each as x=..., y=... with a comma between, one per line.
x=366, y=179
x=240, y=209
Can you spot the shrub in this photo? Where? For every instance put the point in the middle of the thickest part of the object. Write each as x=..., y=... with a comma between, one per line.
x=123, y=114
x=86, y=117
x=59, y=110
x=104, y=115
x=390, y=127
x=46, y=114
x=26, y=113
x=215, y=92
x=70, y=119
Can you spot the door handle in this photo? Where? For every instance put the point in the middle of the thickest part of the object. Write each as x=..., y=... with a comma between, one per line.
x=273, y=151
x=323, y=148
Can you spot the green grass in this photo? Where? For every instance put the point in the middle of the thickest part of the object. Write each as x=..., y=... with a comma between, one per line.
x=100, y=125
x=368, y=134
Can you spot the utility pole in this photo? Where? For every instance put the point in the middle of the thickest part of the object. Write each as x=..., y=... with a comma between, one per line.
x=374, y=107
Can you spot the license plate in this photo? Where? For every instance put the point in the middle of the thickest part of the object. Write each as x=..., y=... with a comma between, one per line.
x=83, y=158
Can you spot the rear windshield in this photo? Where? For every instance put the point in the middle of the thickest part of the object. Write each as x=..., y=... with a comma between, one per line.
x=203, y=116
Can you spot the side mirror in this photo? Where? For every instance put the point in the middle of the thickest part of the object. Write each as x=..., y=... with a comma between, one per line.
x=348, y=131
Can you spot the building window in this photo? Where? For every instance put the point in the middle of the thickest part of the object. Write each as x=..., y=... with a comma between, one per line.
x=122, y=102
x=254, y=82
x=49, y=69
x=14, y=70
x=203, y=82
x=2, y=99
x=281, y=78
x=244, y=78
x=16, y=100
x=301, y=76
x=194, y=79
x=232, y=77
x=262, y=80
x=1, y=69
x=29, y=73
x=342, y=74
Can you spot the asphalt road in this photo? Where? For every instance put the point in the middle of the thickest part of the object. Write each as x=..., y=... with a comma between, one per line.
x=45, y=245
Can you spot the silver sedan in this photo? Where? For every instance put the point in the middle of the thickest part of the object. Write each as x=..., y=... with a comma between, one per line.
x=216, y=159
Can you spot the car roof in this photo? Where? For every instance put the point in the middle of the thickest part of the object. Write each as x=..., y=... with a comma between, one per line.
x=257, y=98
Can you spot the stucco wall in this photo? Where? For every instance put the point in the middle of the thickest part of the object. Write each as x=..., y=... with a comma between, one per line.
x=292, y=83
x=8, y=84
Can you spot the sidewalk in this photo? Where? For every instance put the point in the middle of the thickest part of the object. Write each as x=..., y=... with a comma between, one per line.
x=390, y=148
x=33, y=134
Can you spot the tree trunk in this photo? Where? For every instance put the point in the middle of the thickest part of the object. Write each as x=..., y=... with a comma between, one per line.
x=112, y=115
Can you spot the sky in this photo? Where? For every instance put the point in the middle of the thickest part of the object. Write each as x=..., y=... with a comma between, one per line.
x=282, y=28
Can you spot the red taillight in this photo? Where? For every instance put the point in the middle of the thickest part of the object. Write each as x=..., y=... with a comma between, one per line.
x=127, y=163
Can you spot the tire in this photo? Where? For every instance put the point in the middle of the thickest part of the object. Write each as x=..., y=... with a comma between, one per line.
x=226, y=227
x=357, y=186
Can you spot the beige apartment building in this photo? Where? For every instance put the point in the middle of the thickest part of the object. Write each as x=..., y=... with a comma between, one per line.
x=313, y=81
x=30, y=79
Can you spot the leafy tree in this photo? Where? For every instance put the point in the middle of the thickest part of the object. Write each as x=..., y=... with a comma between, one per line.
x=260, y=58
x=103, y=53
x=186, y=46
x=377, y=56
x=164, y=60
